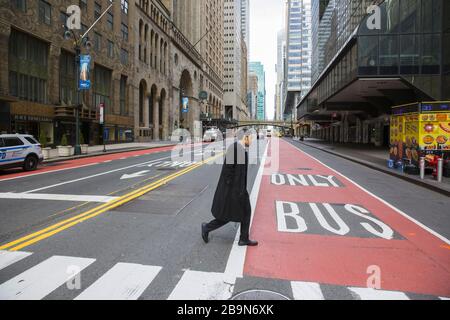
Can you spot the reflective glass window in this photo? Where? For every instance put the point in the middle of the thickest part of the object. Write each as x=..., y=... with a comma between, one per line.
x=409, y=54
x=368, y=55
x=389, y=55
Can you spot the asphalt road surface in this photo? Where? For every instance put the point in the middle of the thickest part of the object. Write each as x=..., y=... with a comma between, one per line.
x=127, y=226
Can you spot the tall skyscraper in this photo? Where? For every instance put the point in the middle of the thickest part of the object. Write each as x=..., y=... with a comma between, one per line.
x=280, y=69
x=299, y=47
x=258, y=69
x=245, y=22
x=233, y=59
x=322, y=13
x=253, y=94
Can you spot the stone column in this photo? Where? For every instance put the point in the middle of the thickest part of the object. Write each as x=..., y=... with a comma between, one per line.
x=146, y=110
x=156, y=100
x=166, y=104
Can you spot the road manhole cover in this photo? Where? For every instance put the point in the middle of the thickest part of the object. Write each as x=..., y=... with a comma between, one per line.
x=259, y=295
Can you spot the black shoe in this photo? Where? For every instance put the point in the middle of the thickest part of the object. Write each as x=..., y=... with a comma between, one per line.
x=249, y=243
x=205, y=234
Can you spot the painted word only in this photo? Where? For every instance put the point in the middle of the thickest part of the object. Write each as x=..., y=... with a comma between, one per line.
x=308, y=180
x=331, y=219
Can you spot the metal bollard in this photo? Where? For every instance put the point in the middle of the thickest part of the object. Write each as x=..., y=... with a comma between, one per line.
x=422, y=168
x=440, y=169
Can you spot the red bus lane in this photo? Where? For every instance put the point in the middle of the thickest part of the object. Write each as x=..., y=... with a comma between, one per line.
x=316, y=225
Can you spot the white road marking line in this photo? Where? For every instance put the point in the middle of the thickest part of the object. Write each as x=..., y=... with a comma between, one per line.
x=372, y=294
x=441, y=237
x=41, y=280
x=7, y=258
x=196, y=285
x=236, y=259
x=107, y=161
x=125, y=281
x=56, y=197
x=92, y=176
x=306, y=291
x=134, y=175
x=52, y=171
x=98, y=175
x=444, y=298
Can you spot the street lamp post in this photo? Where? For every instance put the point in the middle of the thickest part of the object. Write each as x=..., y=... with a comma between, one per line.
x=78, y=106
x=77, y=47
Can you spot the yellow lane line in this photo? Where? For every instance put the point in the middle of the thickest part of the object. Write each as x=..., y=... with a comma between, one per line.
x=65, y=224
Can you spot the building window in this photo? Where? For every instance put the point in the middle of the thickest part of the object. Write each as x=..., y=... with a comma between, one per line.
x=19, y=5
x=368, y=55
x=97, y=42
x=28, y=67
x=124, y=29
x=124, y=6
x=67, y=76
x=83, y=4
x=45, y=12
x=123, y=95
x=124, y=56
x=102, y=87
x=110, y=20
x=97, y=10
x=63, y=19
x=431, y=54
x=110, y=49
x=389, y=55
x=409, y=54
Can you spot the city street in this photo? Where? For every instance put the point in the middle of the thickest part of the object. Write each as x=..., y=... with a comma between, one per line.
x=127, y=226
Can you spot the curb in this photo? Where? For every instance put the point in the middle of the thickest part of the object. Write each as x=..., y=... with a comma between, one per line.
x=417, y=182
x=97, y=154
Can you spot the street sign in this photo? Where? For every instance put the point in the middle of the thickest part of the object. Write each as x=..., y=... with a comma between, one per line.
x=185, y=103
x=102, y=113
x=85, y=66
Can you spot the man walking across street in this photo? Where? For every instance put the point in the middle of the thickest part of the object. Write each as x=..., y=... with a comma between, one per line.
x=231, y=200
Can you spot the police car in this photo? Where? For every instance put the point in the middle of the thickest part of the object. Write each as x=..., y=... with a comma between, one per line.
x=19, y=150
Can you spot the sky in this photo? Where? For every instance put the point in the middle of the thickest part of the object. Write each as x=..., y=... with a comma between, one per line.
x=266, y=19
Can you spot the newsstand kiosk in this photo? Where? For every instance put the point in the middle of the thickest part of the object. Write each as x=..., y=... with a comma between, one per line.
x=420, y=130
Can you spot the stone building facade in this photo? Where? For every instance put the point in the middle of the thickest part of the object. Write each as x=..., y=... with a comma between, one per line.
x=148, y=56
x=38, y=77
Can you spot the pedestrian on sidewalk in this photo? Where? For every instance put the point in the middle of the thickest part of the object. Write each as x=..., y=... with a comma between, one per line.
x=232, y=201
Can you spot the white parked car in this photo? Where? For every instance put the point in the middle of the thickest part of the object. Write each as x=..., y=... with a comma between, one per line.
x=20, y=150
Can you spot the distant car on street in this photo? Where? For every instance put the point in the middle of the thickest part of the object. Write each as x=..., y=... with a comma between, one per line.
x=212, y=135
x=20, y=150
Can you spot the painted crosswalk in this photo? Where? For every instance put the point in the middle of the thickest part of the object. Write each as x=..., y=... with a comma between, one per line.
x=129, y=281
x=39, y=281
x=125, y=281
x=8, y=258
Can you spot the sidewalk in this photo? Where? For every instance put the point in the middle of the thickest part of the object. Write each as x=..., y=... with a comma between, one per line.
x=110, y=149
x=375, y=158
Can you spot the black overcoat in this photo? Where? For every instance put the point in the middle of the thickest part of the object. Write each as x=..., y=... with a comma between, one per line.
x=231, y=200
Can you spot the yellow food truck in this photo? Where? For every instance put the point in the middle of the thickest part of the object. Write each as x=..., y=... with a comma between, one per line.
x=419, y=130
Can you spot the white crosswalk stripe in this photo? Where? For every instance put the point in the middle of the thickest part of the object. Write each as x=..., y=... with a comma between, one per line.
x=7, y=258
x=195, y=285
x=306, y=291
x=125, y=281
x=41, y=280
x=372, y=294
